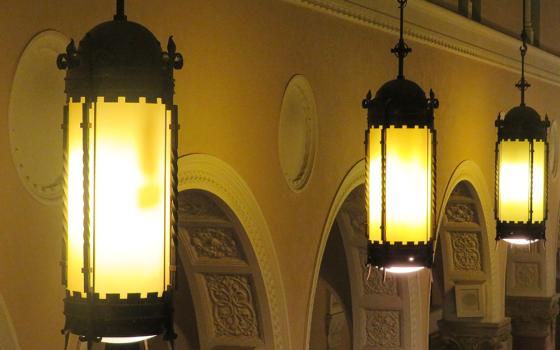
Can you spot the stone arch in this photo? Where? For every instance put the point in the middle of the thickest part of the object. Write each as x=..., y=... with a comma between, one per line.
x=470, y=177
x=469, y=280
x=384, y=313
x=465, y=255
x=225, y=246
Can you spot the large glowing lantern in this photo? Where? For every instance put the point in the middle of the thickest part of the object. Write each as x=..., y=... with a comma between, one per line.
x=400, y=173
x=521, y=176
x=521, y=169
x=120, y=155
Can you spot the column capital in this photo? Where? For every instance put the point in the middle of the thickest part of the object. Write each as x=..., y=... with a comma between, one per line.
x=532, y=316
x=472, y=335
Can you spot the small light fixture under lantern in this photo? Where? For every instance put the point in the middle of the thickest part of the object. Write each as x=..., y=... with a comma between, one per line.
x=400, y=171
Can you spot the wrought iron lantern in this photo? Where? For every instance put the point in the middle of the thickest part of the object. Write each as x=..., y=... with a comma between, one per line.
x=400, y=172
x=120, y=178
x=521, y=168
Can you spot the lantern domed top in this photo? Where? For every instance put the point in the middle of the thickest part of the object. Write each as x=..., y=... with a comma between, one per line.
x=120, y=58
x=400, y=102
x=522, y=123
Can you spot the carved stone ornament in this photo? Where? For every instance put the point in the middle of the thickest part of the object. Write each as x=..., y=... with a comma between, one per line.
x=336, y=323
x=532, y=316
x=474, y=335
x=526, y=275
x=34, y=117
x=297, y=133
x=214, y=242
x=383, y=329
x=466, y=251
x=355, y=207
x=233, y=306
x=461, y=213
x=462, y=190
x=375, y=283
x=199, y=205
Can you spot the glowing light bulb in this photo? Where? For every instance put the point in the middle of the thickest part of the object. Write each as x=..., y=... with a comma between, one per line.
x=404, y=269
x=520, y=241
x=125, y=340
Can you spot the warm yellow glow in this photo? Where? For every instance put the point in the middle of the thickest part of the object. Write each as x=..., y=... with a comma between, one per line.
x=408, y=184
x=373, y=184
x=520, y=241
x=167, y=243
x=539, y=162
x=75, y=192
x=129, y=177
x=404, y=269
x=125, y=340
x=515, y=184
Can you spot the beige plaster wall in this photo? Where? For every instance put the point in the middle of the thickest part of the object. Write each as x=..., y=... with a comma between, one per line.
x=493, y=15
x=239, y=55
x=450, y=4
x=549, y=19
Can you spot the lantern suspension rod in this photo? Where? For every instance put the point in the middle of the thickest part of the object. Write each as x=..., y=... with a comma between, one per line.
x=523, y=85
x=401, y=50
x=120, y=16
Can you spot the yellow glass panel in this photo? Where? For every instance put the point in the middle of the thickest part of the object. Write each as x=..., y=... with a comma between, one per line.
x=130, y=197
x=373, y=184
x=514, y=164
x=75, y=207
x=168, y=190
x=408, y=184
x=539, y=157
x=75, y=199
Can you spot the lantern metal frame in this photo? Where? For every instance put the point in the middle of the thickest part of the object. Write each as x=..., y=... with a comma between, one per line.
x=116, y=59
x=401, y=103
x=522, y=123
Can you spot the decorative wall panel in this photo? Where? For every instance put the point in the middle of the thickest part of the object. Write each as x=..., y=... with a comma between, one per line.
x=526, y=275
x=383, y=329
x=466, y=251
x=233, y=306
x=214, y=242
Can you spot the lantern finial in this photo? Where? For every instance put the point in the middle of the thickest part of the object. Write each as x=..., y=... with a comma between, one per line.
x=401, y=50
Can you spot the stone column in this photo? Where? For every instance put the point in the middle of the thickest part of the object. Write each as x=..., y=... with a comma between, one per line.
x=533, y=321
x=473, y=335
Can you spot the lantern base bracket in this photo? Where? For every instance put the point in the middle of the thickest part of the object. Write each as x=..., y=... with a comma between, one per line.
x=410, y=254
x=93, y=318
x=520, y=230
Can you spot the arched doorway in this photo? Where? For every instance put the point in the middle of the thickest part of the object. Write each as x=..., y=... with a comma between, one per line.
x=331, y=325
x=382, y=313
x=254, y=273
x=225, y=281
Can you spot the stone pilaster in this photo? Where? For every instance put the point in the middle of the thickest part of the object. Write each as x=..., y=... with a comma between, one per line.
x=473, y=335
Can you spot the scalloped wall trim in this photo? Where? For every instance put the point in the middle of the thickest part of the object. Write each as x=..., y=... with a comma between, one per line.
x=433, y=25
x=205, y=172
